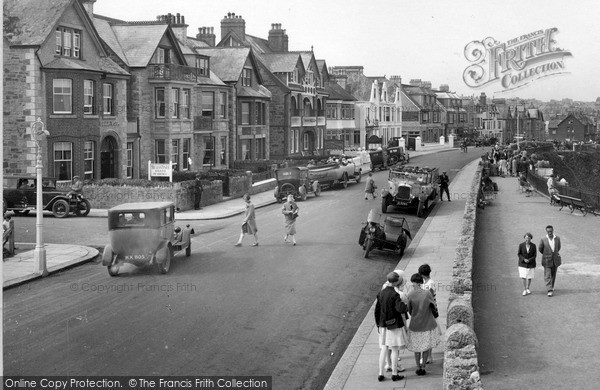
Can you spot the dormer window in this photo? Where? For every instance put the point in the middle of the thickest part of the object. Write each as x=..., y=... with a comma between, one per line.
x=203, y=66
x=161, y=56
x=68, y=42
x=293, y=76
x=247, y=77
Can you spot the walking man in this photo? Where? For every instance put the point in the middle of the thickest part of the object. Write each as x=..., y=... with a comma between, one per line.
x=444, y=184
x=198, y=192
x=549, y=248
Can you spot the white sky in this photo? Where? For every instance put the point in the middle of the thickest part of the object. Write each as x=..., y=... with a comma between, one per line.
x=422, y=39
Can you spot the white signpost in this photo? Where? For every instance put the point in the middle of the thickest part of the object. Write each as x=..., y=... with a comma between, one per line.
x=160, y=170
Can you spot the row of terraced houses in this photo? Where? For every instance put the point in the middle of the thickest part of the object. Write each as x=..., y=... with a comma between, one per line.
x=115, y=95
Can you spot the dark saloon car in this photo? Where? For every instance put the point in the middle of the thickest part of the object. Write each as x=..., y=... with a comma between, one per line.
x=20, y=197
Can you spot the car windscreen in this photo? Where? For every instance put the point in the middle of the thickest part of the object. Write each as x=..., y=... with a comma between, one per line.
x=132, y=219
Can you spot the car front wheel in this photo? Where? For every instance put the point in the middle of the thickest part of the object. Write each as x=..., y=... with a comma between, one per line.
x=165, y=266
x=60, y=208
x=83, y=208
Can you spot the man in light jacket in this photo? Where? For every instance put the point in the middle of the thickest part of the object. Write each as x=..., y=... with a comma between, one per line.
x=549, y=248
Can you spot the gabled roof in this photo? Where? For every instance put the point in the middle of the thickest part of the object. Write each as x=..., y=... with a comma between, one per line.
x=416, y=90
x=408, y=102
x=283, y=62
x=139, y=42
x=553, y=124
x=227, y=62
x=30, y=22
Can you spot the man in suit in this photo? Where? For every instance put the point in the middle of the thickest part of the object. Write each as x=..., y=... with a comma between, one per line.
x=444, y=183
x=549, y=248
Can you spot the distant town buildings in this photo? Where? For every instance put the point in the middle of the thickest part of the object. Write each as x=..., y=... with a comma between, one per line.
x=116, y=94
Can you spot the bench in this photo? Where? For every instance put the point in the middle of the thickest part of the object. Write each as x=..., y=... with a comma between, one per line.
x=573, y=203
x=9, y=237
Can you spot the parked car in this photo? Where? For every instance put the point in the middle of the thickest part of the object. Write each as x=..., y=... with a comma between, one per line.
x=144, y=234
x=20, y=197
x=410, y=187
x=294, y=181
x=393, y=234
x=386, y=157
x=337, y=170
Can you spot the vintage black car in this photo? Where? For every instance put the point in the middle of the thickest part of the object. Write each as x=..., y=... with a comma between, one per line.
x=294, y=181
x=20, y=197
x=144, y=234
x=386, y=157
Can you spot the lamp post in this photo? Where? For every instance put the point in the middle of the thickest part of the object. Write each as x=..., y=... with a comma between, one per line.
x=38, y=132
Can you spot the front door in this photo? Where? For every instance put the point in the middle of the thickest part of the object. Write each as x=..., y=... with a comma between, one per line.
x=108, y=158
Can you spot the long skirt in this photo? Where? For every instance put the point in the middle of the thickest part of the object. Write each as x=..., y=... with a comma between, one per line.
x=290, y=226
x=393, y=338
x=424, y=341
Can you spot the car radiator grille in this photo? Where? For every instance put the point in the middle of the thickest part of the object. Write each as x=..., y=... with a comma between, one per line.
x=403, y=193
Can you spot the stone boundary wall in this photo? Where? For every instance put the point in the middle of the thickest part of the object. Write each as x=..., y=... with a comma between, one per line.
x=461, y=367
x=182, y=194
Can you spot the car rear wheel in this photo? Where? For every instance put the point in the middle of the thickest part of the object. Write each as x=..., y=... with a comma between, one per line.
x=165, y=266
x=83, y=208
x=393, y=160
x=345, y=180
x=60, y=208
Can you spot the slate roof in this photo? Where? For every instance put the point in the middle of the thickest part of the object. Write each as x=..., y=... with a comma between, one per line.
x=281, y=62
x=262, y=92
x=31, y=21
x=337, y=92
x=139, y=41
x=226, y=62
x=104, y=64
x=553, y=124
x=105, y=31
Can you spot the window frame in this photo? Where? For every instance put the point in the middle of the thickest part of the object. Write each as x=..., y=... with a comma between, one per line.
x=246, y=77
x=129, y=160
x=244, y=113
x=88, y=158
x=159, y=105
x=185, y=154
x=108, y=99
x=160, y=146
x=68, y=102
x=174, y=154
x=67, y=42
x=205, y=106
x=222, y=105
x=185, y=104
x=67, y=157
x=175, y=102
x=89, y=98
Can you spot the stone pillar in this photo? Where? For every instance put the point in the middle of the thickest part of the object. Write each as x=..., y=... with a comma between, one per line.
x=418, y=146
x=402, y=142
x=451, y=140
x=442, y=140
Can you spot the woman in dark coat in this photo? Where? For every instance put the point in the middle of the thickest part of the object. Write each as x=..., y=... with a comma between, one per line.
x=527, y=253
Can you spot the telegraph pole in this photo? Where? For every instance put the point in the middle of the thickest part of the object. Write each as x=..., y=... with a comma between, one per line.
x=38, y=132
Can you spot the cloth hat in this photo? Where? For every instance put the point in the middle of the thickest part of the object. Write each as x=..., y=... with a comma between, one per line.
x=402, y=277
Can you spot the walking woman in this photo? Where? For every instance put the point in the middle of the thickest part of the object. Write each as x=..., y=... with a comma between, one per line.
x=290, y=212
x=249, y=222
x=390, y=323
x=527, y=253
x=370, y=187
x=423, y=331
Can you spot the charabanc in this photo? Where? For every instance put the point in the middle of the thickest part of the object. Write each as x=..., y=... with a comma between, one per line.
x=393, y=234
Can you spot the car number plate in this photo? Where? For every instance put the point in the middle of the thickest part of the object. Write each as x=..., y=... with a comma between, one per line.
x=136, y=257
x=403, y=203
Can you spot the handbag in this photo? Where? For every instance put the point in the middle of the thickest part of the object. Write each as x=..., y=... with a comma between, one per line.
x=245, y=227
x=391, y=324
x=434, y=310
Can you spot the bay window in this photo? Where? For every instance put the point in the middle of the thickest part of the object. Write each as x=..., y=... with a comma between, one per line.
x=62, y=92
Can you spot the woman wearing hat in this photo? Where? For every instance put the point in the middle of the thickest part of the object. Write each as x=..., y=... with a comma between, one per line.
x=390, y=321
x=527, y=253
x=249, y=222
x=423, y=331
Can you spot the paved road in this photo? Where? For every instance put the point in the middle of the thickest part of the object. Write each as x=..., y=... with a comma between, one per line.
x=272, y=310
x=536, y=342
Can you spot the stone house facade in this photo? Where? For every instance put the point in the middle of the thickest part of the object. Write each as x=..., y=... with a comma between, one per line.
x=68, y=81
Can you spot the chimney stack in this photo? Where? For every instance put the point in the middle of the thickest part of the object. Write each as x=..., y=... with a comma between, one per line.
x=278, y=39
x=482, y=99
x=444, y=88
x=233, y=23
x=177, y=23
x=88, y=5
x=207, y=35
x=415, y=82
